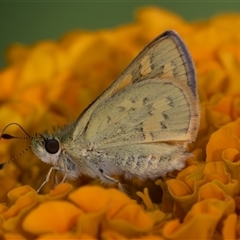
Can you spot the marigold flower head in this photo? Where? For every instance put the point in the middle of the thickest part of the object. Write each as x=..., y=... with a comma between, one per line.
x=51, y=81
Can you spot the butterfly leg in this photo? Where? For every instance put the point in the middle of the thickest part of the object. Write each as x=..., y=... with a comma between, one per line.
x=46, y=179
x=56, y=182
x=64, y=178
x=111, y=180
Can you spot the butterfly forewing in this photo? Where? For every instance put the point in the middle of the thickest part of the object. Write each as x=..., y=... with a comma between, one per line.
x=149, y=102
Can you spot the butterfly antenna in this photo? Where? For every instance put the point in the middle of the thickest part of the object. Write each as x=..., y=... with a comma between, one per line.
x=8, y=137
x=2, y=165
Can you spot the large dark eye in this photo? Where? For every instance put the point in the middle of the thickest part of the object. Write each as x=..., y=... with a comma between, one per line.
x=51, y=145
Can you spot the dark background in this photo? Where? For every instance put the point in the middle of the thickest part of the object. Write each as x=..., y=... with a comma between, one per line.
x=31, y=21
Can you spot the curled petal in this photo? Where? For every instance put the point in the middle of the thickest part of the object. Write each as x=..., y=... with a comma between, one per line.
x=211, y=190
x=52, y=216
x=118, y=201
x=130, y=221
x=14, y=194
x=215, y=171
x=230, y=154
x=60, y=192
x=181, y=193
x=219, y=141
x=90, y=223
x=229, y=227
x=178, y=188
x=14, y=215
x=208, y=211
x=85, y=198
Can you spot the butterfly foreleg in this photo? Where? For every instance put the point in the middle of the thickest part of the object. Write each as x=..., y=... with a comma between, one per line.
x=56, y=181
x=46, y=179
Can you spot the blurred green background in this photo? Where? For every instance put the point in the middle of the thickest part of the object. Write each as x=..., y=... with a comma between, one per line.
x=31, y=21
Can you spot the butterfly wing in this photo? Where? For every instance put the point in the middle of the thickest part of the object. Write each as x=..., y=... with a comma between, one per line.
x=151, y=109
x=165, y=58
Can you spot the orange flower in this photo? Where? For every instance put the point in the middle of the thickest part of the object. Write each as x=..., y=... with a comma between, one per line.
x=209, y=212
x=35, y=93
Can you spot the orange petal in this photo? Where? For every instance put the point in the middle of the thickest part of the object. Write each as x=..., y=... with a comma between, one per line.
x=110, y=234
x=85, y=198
x=170, y=227
x=130, y=221
x=211, y=190
x=15, y=236
x=224, y=105
x=14, y=215
x=229, y=227
x=52, y=216
x=230, y=154
x=178, y=188
x=8, y=78
x=65, y=236
x=233, y=168
x=22, y=202
x=118, y=201
x=219, y=141
x=90, y=223
x=60, y=192
x=215, y=171
x=3, y=208
x=14, y=194
x=208, y=211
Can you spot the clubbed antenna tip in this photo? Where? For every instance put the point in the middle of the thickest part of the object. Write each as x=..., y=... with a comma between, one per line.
x=2, y=165
x=8, y=136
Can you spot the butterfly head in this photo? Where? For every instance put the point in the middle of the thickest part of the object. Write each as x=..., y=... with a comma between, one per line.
x=46, y=147
x=52, y=148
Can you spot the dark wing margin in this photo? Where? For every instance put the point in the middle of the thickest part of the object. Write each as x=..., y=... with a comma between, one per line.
x=187, y=60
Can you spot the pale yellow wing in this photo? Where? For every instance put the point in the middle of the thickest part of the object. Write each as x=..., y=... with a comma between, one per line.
x=154, y=100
